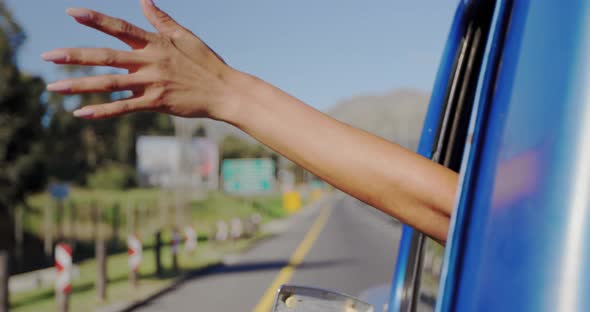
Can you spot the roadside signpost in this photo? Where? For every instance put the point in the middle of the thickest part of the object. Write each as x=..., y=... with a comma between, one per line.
x=255, y=220
x=190, y=243
x=222, y=231
x=248, y=176
x=236, y=228
x=63, y=280
x=134, y=250
x=291, y=201
x=59, y=192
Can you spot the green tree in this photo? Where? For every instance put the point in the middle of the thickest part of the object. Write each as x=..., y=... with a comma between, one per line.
x=65, y=156
x=76, y=149
x=21, y=166
x=233, y=147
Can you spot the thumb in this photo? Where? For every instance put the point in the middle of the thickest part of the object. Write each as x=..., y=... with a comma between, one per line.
x=159, y=19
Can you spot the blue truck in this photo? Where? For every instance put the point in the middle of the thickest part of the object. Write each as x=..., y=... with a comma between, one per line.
x=509, y=111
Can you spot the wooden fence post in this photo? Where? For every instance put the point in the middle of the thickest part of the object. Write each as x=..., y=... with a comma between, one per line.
x=48, y=232
x=135, y=227
x=95, y=219
x=157, y=252
x=73, y=237
x=175, y=248
x=19, y=235
x=116, y=224
x=4, y=277
x=129, y=217
x=101, y=258
x=60, y=219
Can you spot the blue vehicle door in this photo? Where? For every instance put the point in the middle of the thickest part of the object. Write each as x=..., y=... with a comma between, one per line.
x=519, y=231
x=520, y=241
x=511, y=111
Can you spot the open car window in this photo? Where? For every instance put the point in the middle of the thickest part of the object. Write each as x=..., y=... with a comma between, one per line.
x=424, y=264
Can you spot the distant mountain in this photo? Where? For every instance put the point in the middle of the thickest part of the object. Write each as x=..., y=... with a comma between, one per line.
x=395, y=116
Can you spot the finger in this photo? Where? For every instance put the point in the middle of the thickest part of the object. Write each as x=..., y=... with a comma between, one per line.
x=159, y=19
x=132, y=35
x=97, y=84
x=168, y=26
x=95, y=57
x=117, y=108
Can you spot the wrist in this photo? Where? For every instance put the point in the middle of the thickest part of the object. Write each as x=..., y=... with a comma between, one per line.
x=236, y=102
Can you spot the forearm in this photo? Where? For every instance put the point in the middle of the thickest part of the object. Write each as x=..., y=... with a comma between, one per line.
x=382, y=174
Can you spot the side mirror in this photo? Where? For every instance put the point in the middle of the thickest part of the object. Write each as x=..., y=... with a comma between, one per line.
x=307, y=299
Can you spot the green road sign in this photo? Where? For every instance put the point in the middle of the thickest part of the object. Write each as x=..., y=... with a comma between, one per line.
x=248, y=176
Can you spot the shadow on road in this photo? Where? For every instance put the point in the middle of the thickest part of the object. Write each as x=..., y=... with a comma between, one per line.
x=238, y=268
x=263, y=266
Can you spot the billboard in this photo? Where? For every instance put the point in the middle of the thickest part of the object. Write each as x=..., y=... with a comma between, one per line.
x=161, y=162
x=248, y=176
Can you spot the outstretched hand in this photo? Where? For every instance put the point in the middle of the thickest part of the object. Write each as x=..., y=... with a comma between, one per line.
x=170, y=71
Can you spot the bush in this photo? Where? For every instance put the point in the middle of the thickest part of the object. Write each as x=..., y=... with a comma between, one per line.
x=112, y=177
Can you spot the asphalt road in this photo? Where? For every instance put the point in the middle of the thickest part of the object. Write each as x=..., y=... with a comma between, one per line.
x=354, y=251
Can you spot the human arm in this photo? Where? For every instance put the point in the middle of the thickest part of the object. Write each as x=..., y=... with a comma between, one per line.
x=174, y=72
x=380, y=173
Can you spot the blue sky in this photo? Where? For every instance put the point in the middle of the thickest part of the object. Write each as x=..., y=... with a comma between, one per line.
x=319, y=51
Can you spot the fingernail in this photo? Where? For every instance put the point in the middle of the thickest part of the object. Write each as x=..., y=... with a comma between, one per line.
x=59, y=86
x=80, y=14
x=54, y=56
x=84, y=112
x=152, y=3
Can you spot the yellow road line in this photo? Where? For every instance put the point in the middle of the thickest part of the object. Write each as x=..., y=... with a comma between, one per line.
x=265, y=303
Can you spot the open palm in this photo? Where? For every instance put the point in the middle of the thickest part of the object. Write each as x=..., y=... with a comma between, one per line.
x=170, y=71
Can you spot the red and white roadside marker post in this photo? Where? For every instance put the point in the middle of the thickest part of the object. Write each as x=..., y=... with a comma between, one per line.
x=63, y=278
x=134, y=250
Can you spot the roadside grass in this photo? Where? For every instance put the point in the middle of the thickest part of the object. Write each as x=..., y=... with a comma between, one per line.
x=119, y=290
x=151, y=209
x=203, y=214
